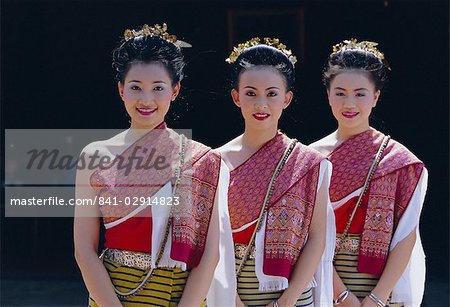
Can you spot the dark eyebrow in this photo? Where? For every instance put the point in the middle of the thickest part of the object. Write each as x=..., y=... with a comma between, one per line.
x=355, y=90
x=272, y=87
x=141, y=81
x=248, y=86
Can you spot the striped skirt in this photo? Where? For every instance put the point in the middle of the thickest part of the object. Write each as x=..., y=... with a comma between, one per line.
x=248, y=285
x=165, y=287
x=346, y=262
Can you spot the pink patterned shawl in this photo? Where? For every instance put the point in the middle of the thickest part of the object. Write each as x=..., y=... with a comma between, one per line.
x=390, y=191
x=197, y=189
x=291, y=207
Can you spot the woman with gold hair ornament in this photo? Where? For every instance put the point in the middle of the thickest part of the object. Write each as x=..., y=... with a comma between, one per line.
x=161, y=216
x=278, y=193
x=377, y=188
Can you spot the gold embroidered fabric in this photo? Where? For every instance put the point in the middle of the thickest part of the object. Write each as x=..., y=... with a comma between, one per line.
x=350, y=245
x=129, y=258
x=239, y=251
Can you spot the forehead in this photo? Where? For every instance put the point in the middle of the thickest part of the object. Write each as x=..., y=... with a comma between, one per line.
x=147, y=72
x=261, y=76
x=352, y=80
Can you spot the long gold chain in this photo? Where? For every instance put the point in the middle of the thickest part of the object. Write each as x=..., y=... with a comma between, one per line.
x=269, y=193
x=372, y=169
x=120, y=294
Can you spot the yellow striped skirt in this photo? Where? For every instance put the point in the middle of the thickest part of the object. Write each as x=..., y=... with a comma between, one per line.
x=165, y=287
x=346, y=262
x=248, y=285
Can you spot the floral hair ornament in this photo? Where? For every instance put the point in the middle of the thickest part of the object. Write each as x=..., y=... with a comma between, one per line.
x=272, y=42
x=156, y=30
x=353, y=44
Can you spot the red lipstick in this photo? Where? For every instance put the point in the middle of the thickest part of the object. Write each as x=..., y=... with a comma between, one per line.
x=145, y=111
x=261, y=116
x=349, y=114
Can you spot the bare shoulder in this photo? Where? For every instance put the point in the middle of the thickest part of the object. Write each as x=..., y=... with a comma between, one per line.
x=325, y=145
x=107, y=147
x=100, y=153
x=95, y=147
x=231, y=152
x=231, y=147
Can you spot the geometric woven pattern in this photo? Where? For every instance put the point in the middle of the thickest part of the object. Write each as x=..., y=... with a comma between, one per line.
x=190, y=229
x=291, y=206
x=126, y=179
x=196, y=191
x=390, y=190
x=353, y=158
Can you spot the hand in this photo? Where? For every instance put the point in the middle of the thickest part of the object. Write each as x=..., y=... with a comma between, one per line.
x=288, y=298
x=367, y=302
x=239, y=303
x=279, y=304
x=285, y=302
x=351, y=301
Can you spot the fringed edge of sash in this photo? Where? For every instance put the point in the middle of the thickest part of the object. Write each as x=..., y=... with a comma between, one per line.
x=312, y=283
x=273, y=285
x=166, y=261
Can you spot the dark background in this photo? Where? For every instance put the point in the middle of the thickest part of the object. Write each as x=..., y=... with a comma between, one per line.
x=56, y=73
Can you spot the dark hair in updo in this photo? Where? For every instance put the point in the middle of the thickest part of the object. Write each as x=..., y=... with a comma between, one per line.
x=263, y=55
x=356, y=59
x=148, y=49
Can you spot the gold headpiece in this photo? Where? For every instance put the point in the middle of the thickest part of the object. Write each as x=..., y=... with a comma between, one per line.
x=273, y=42
x=352, y=44
x=156, y=30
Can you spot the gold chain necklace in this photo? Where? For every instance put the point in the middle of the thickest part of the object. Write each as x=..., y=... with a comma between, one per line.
x=269, y=193
x=120, y=294
x=375, y=163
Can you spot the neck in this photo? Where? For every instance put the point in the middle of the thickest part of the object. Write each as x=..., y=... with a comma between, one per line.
x=135, y=127
x=343, y=133
x=138, y=132
x=254, y=139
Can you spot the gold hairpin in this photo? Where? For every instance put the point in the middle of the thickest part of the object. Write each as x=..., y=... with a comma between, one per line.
x=353, y=44
x=273, y=42
x=156, y=30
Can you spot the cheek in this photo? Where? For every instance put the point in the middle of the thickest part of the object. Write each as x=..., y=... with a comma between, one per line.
x=163, y=98
x=335, y=107
x=334, y=103
x=129, y=95
x=279, y=104
x=166, y=94
x=367, y=104
x=244, y=101
x=333, y=100
x=127, y=99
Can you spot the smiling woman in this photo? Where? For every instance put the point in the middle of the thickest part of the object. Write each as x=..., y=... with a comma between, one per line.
x=377, y=188
x=278, y=192
x=147, y=91
x=163, y=252
x=352, y=96
x=262, y=97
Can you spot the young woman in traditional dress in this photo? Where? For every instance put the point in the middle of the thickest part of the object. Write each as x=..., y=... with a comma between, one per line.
x=278, y=193
x=156, y=191
x=377, y=188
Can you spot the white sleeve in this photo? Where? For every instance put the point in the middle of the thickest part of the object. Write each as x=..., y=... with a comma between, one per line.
x=323, y=290
x=410, y=287
x=222, y=291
